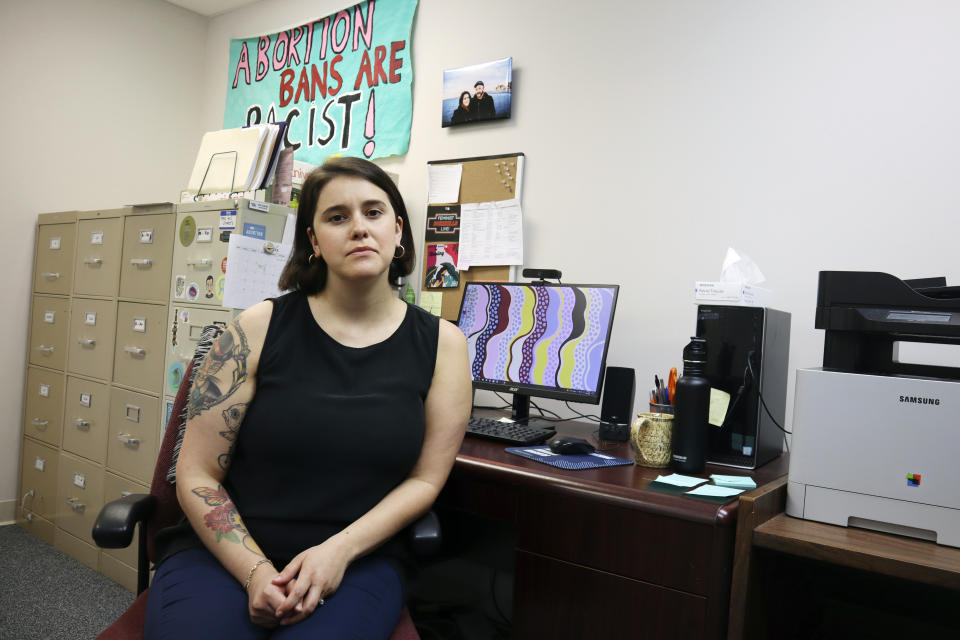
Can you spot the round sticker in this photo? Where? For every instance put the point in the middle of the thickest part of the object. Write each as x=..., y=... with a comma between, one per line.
x=223, y=265
x=220, y=282
x=188, y=230
x=175, y=376
x=193, y=290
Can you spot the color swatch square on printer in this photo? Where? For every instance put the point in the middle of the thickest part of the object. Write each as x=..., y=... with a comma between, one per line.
x=913, y=479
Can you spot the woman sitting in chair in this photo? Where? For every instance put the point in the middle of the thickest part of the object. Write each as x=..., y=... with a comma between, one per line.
x=320, y=424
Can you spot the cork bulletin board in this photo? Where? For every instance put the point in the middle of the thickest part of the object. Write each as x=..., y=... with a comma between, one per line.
x=484, y=179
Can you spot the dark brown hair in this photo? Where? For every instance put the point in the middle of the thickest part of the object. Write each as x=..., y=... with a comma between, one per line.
x=311, y=276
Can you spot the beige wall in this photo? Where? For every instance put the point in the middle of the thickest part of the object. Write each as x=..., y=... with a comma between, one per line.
x=100, y=107
x=815, y=135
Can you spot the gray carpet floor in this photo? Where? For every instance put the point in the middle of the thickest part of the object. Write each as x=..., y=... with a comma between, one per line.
x=47, y=595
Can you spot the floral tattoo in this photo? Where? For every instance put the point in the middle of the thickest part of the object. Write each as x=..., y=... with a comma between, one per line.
x=227, y=349
x=224, y=520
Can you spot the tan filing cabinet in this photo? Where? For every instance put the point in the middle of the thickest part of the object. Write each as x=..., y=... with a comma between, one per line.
x=86, y=418
x=69, y=544
x=38, y=488
x=53, y=266
x=147, y=254
x=43, y=405
x=202, y=238
x=141, y=330
x=132, y=442
x=79, y=496
x=186, y=324
x=99, y=245
x=49, y=329
x=93, y=329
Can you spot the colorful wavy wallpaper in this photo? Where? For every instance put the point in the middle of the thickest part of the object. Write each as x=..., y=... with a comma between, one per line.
x=553, y=336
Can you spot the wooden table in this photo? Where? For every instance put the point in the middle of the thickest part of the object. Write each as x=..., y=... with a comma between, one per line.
x=600, y=552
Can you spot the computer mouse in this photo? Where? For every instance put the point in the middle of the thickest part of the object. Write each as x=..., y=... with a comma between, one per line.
x=567, y=445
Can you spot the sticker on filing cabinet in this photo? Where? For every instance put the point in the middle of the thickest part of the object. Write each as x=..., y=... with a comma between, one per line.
x=44, y=391
x=166, y=420
x=185, y=316
x=220, y=283
x=146, y=236
x=39, y=463
x=256, y=205
x=228, y=220
x=55, y=243
x=225, y=236
x=174, y=376
x=257, y=231
x=193, y=290
x=96, y=237
x=48, y=317
x=90, y=318
x=223, y=265
x=133, y=413
x=188, y=229
x=79, y=480
x=140, y=325
x=205, y=234
x=180, y=289
x=85, y=399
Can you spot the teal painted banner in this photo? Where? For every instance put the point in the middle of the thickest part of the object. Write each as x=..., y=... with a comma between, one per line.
x=342, y=83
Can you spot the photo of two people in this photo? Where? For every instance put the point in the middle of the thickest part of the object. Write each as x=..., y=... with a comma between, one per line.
x=478, y=92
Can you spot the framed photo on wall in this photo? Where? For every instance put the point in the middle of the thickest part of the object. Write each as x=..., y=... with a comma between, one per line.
x=478, y=92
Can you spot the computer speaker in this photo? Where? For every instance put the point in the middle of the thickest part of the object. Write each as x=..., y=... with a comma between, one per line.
x=616, y=410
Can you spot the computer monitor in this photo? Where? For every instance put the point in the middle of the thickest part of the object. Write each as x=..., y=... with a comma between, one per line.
x=538, y=339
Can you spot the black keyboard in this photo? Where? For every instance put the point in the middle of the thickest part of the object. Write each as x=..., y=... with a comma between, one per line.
x=512, y=433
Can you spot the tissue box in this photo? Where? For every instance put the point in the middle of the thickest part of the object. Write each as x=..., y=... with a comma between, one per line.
x=731, y=293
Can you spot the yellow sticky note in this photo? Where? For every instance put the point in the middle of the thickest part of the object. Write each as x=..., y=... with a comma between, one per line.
x=432, y=301
x=719, y=401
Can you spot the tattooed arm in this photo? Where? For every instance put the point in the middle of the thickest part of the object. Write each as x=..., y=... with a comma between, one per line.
x=222, y=389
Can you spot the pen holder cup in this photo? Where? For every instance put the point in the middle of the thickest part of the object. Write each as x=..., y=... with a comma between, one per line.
x=662, y=408
x=651, y=435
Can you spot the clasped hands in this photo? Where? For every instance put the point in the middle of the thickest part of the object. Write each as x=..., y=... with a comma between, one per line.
x=289, y=596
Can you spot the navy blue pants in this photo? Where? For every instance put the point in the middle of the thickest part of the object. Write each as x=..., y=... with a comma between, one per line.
x=193, y=596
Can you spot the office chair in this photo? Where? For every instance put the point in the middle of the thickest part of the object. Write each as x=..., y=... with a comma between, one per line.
x=118, y=520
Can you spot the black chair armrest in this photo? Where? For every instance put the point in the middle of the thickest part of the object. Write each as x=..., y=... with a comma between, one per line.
x=424, y=536
x=117, y=521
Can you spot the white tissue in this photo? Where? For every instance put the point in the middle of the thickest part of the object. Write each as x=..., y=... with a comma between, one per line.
x=738, y=267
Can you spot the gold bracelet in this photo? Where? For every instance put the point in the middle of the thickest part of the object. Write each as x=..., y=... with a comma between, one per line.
x=246, y=584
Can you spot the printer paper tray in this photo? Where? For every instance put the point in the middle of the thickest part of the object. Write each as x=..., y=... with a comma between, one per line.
x=846, y=508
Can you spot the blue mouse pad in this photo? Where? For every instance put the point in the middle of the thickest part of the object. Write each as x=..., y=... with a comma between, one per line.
x=575, y=461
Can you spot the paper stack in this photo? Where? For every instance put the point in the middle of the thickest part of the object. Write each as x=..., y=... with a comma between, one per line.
x=236, y=160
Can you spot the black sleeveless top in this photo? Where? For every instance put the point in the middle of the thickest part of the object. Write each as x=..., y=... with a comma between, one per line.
x=331, y=429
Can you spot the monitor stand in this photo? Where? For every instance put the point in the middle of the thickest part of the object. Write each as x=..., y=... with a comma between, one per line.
x=521, y=413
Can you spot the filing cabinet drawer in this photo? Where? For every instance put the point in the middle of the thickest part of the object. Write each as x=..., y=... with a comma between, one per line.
x=186, y=325
x=147, y=254
x=141, y=331
x=79, y=496
x=93, y=328
x=132, y=443
x=85, y=419
x=38, y=481
x=117, y=571
x=53, y=270
x=49, y=329
x=99, y=243
x=35, y=525
x=85, y=552
x=114, y=488
x=43, y=405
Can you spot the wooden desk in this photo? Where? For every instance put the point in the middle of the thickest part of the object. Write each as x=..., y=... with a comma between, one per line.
x=598, y=552
x=903, y=586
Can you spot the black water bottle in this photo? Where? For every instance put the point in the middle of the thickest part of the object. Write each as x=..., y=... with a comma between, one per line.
x=692, y=409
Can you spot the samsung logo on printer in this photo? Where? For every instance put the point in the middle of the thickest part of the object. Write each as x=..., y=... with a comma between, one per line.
x=919, y=400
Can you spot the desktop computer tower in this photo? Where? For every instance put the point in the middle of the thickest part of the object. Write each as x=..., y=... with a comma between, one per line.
x=748, y=350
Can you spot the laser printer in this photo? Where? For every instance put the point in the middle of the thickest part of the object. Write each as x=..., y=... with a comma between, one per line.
x=876, y=437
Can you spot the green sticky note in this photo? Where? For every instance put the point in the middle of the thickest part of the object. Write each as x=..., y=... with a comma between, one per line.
x=719, y=401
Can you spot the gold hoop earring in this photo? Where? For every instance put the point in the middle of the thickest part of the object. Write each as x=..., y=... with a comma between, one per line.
x=310, y=257
x=403, y=252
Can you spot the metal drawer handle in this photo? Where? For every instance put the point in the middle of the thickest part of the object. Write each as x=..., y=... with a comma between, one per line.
x=81, y=423
x=75, y=504
x=93, y=261
x=50, y=275
x=45, y=349
x=202, y=262
x=141, y=262
x=26, y=515
x=89, y=342
x=124, y=494
x=40, y=424
x=137, y=351
x=128, y=440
